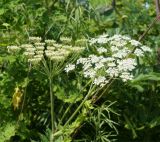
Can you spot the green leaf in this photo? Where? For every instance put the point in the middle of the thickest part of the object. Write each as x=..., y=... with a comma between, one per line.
x=2, y=11
x=143, y=77
x=138, y=87
x=7, y=132
x=68, y=96
x=155, y=122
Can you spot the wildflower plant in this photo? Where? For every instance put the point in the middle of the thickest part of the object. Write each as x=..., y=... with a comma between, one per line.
x=50, y=59
x=108, y=59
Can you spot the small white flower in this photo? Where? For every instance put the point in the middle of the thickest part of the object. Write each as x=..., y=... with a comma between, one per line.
x=114, y=48
x=147, y=5
x=120, y=54
x=126, y=38
x=126, y=64
x=94, y=58
x=51, y=48
x=26, y=46
x=104, y=35
x=104, y=60
x=101, y=50
x=69, y=67
x=146, y=49
x=38, y=56
x=100, y=81
x=39, y=44
x=30, y=49
x=112, y=72
x=39, y=52
x=49, y=53
x=13, y=48
x=98, y=65
x=110, y=59
x=50, y=41
x=102, y=40
x=92, y=41
x=67, y=47
x=35, y=39
x=139, y=52
x=86, y=66
x=29, y=54
x=65, y=39
x=112, y=64
x=89, y=73
x=118, y=43
x=40, y=47
x=57, y=45
x=125, y=76
x=82, y=61
x=135, y=42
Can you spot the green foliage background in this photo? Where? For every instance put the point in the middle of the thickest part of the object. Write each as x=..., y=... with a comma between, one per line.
x=137, y=103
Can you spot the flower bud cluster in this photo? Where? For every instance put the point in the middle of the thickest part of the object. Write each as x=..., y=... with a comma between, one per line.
x=36, y=50
x=13, y=48
x=66, y=40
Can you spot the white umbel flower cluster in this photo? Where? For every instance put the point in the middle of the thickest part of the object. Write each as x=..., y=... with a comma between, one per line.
x=36, y=50
x=128, y=64
x=115, y=59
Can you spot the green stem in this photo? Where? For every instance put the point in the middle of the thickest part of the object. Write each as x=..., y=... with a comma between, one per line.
x=68, y=108
x=97, y=98
x=65, y=113
x=52, y=108
x=147, y=30
x=79, y=107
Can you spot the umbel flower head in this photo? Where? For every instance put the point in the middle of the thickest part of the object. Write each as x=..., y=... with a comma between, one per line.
x=114, y=58
x=13, y=48
x=36, y=50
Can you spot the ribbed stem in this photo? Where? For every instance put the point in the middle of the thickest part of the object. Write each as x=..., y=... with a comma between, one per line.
x=52, y=108
x=80, y=106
